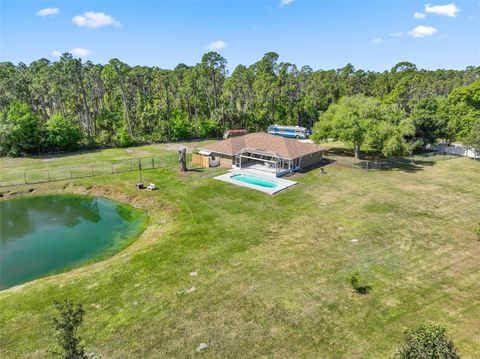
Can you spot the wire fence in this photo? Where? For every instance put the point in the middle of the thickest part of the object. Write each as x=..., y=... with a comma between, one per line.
x=406, y=163
x=50, y=174
x=12, y=177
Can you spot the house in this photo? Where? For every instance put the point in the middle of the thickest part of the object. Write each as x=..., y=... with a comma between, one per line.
x=262, y=151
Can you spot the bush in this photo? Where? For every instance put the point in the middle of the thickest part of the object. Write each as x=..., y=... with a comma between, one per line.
x=426, y=342
x=123, y=139
x=473, y=140
x=208, y=128
x=66, y=324
x=61, y=133
x=104, y=138
x=20, y=130
x=180, y=128
x=356, y=284
x=109, y=124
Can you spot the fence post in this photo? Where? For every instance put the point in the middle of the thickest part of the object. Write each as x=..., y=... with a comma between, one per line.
x=153, y=163
x=366, y=166
x=25, y=177
x=91, y=168
x=111, y=164
x=130, y=165
x=70, y=169
x=48, y=175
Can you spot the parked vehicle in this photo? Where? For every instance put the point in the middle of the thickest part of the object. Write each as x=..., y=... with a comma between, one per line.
x=289, y=131
x=232, y=133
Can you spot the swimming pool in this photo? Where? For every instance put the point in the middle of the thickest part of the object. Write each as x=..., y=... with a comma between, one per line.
x=261, y=182
x=256, y=180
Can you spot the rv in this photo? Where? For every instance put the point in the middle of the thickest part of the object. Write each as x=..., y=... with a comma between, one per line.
x=289, y=131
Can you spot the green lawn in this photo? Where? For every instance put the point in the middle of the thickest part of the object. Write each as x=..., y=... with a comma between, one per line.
x=15, y=171
x=272, y=269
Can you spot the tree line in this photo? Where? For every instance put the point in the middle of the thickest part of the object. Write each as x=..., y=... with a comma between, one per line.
x=61, y=105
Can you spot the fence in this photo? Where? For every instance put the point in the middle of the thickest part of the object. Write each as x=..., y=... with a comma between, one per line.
x=405, y=163
x=12, y=178
x=203, y=161
x=455, y=149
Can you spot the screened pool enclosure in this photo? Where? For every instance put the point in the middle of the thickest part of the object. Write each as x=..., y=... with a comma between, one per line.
x=265, y=160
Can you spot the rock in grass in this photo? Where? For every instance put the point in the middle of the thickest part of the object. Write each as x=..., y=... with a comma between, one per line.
x=193, y=274
x=201, y=347
x=190, y=290
x=354, y=240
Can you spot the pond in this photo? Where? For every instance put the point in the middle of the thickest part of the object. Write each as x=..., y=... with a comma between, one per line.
x=41, y=235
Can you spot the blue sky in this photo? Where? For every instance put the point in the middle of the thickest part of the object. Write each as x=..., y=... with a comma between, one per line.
x=372, y=35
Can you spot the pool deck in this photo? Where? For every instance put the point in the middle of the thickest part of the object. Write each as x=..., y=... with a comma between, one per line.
x=282, y=183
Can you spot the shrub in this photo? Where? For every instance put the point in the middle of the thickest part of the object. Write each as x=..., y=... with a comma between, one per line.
x=180, y=128
x=104, y=138
x=62, y=133
x=20, y=130
x=356, y=284
x=123, y=139
x=354, y=280
x=66, y=324
x=208, y=128
x=426, y=342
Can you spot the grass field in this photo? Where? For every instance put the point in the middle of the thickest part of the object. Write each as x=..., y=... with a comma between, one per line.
x=272, y=270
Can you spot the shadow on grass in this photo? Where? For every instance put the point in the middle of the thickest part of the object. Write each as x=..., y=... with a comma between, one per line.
x=195, y=170
x=348, y=152
x=372, y=161
x=324, y=162
x=359, y=288
x=400, y=164
x=363, y=290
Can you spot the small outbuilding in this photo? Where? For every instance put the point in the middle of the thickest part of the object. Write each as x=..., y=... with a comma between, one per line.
x=264, y=152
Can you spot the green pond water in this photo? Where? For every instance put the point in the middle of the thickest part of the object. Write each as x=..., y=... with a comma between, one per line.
x=41, y=235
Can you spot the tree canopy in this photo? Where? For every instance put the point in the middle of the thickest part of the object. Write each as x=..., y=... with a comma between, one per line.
x=359, y=120
x=117, y=104
x=427, y=342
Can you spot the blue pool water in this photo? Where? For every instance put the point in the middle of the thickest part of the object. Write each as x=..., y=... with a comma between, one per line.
x=255, y=181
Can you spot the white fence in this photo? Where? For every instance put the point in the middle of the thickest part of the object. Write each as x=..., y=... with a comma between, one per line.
x=455, y=149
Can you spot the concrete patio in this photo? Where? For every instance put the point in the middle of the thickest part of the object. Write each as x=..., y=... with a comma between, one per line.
x=281, y=183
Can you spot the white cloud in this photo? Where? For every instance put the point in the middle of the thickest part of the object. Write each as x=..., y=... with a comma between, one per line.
x=396, y=34
x=93, y=20
x=48, y=11
x=79, y=52
x=217, y=45
x=419, y=15
x=284, y=3
x=422, y=31
x=445, y=10
x=376, y=41
x=76, y=52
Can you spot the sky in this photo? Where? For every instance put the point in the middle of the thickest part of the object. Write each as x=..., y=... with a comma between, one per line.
x=371, y=35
